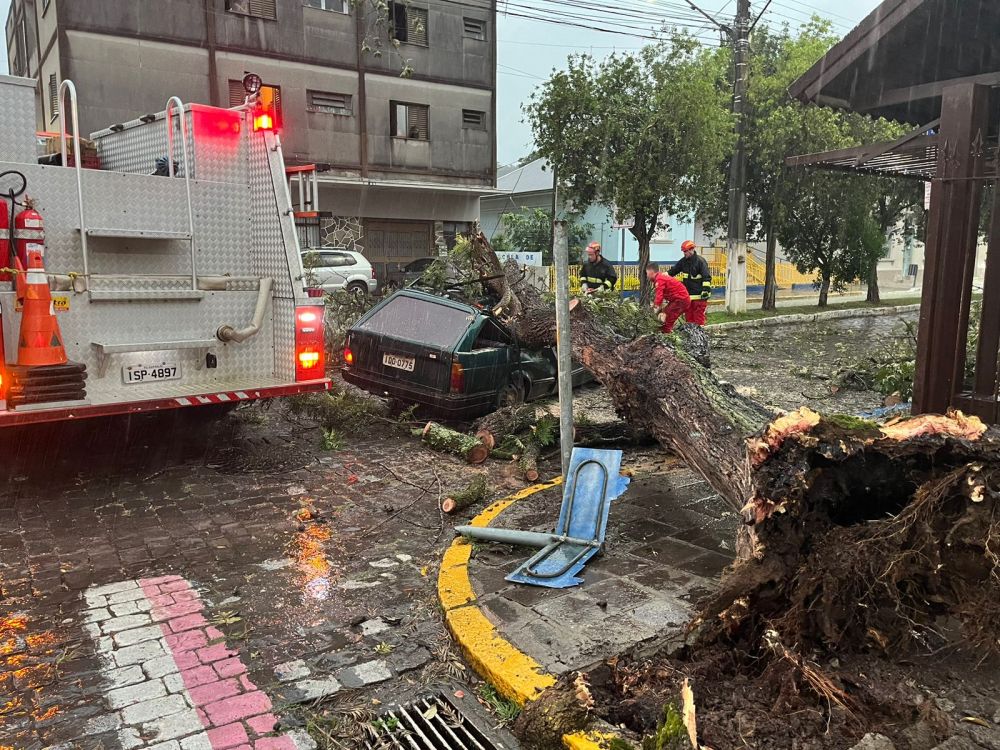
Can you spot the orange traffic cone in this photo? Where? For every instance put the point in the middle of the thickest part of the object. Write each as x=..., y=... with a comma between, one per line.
x=40, y=342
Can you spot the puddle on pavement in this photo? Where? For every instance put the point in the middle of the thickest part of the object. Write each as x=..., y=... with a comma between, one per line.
x=28, y=664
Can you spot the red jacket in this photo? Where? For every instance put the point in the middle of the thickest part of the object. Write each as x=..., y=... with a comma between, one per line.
x=668, y=289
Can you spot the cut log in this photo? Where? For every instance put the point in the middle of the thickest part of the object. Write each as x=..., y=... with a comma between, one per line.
x=447, y=440
x=528, y=462
x=507, y=421
x=562, y=709
x=477, y=492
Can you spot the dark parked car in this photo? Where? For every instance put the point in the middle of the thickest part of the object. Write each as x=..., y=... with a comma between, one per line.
x=454, y=358
x=399, y=275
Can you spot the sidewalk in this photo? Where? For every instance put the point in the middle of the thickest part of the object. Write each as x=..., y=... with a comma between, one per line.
x=669, y=538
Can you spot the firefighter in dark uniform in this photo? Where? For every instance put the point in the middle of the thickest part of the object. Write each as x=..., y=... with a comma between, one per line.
x=693, y=271
x=597, y=274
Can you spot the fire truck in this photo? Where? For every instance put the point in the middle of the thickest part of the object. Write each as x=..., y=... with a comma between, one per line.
x=159, y=271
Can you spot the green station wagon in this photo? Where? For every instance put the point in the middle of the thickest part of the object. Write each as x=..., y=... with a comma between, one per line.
x=455, y=359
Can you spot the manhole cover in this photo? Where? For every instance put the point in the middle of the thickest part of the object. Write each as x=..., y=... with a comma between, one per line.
x=436, y=722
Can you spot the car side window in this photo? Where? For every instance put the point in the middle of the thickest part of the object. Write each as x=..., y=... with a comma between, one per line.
x=491, y=336
x=335, y=260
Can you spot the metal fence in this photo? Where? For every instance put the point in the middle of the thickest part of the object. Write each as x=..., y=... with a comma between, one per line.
x=786, y=274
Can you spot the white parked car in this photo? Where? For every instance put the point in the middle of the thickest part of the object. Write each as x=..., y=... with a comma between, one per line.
x=335, y=270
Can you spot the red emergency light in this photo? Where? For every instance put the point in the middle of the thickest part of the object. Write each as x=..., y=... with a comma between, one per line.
x=309, y=343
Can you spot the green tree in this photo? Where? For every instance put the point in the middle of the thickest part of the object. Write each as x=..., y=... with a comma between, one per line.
x=645, y=133
x=530, y=230
x=775, y=131
x=830, y=229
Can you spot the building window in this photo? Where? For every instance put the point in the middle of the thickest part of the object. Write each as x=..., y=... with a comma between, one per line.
x=472, y=118
x=474, y=28
x=269, y=98
x=329, y=103
x=408, y=24
x=53, y=97
x=255, y=8
x=337, y=6
x=409, y=121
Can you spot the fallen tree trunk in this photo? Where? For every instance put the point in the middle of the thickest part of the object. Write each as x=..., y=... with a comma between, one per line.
x=654, y=383
x=509, y=420
x=855, y=536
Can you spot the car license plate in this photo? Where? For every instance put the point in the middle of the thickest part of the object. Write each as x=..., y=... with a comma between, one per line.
x=400, y=363
x=132, y=374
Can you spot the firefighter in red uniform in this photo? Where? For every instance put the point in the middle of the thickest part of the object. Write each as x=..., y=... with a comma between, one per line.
x=696, y=276
x=672, y=299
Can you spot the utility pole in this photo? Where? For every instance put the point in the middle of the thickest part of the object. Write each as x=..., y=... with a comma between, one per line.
x=736, y=248
x=560, y=252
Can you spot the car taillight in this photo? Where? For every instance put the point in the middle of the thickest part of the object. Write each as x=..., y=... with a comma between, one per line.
x=309, y=351
x=348, y=356
x=457, y=378
x=313, y=292
x=373, y=273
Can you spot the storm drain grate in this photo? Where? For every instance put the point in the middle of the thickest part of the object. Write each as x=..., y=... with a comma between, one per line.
x=430, y=723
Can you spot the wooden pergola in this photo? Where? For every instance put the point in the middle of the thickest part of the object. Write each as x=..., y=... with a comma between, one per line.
x=936, y=65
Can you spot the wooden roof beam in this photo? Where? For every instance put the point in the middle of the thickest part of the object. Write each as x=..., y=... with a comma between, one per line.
x=933, y=90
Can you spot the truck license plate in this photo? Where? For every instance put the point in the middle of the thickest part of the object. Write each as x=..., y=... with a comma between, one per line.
x=400, y=363
x=132, y=374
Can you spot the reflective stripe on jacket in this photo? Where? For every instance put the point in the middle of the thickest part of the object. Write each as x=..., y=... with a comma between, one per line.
x=695, y=274
x=599, y=275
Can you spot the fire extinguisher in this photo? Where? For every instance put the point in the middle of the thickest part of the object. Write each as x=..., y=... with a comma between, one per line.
x=29, y=232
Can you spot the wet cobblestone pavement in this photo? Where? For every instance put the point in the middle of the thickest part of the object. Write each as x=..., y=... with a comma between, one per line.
x=304, y=572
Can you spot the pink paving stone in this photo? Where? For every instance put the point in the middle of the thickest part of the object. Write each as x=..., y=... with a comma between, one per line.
x=238, y=707
x=214, y=653
x=190, y=640
x=214, y=634
x=263, y=724
x=158, y=580
x=186, y=660
x=203, y=718
x=160, y=600
x=230, y=667
x=274, y=743
x=176, y=610
x=200, y=675
x=227, y=736
x=247, y=685
x=178, y=585
x=214, y=691
x=243, y=747
x=187, y=622
x=186, y=596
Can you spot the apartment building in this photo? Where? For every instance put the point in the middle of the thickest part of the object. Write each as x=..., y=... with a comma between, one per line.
x=403, y=159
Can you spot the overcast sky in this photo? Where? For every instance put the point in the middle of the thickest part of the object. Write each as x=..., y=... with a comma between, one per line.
x=530, y=49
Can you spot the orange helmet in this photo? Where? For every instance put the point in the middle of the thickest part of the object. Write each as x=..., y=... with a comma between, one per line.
x=687, y=245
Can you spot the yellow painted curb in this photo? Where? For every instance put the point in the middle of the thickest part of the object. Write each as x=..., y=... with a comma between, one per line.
x=512, y=672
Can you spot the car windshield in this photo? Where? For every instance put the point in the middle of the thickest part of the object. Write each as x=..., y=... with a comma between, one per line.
x=419, y=265
x=419, y=320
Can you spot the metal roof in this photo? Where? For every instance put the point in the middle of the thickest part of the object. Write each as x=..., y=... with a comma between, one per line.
x=896, y=62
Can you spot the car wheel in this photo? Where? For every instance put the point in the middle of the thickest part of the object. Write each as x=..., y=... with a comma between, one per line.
x=511, y=394
x=357, y=289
